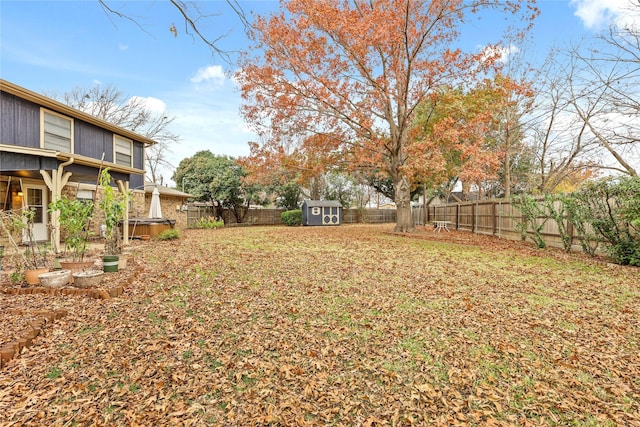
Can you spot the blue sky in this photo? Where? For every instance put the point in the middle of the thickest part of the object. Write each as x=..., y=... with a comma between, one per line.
x=54, y=46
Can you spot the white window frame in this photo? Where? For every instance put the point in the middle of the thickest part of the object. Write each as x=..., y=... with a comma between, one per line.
x=116, y=151
x=85, y=195
x=43, y=131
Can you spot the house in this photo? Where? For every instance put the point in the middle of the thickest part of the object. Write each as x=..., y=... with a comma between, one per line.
x=173, y=203
x=48, y=149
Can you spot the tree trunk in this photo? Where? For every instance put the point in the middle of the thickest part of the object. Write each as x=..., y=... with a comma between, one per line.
x=402, y=188
x=507, y=167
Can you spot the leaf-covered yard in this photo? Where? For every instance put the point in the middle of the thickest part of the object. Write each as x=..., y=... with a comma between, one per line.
x=349, y=325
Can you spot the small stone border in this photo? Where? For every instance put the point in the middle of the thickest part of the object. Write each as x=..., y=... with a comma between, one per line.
x=97, y=293
x=46, y=317
x=14, y=348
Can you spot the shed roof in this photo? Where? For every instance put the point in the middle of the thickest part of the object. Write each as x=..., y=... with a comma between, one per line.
x=323, y=203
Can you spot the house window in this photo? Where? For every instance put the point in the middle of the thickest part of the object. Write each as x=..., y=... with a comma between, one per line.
x=123, y=150
x=85, y=195
x=57, y=132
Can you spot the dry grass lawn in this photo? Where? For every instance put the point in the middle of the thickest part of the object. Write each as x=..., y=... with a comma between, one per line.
x=344, y=326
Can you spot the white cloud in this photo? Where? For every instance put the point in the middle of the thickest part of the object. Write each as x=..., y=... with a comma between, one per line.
x=123, y=46
x=598, y=14
x=502, y=52
x=213, y=74
x=154, y=104
x=206, y=122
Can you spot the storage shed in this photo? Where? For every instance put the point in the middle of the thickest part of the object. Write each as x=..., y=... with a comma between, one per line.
x=321, y=212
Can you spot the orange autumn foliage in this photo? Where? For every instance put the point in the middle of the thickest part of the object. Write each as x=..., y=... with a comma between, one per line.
x=355, y=71
x=464, y=133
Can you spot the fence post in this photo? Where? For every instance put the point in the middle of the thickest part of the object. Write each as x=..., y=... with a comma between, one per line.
x=473, y=218
x=570, y=229
x=500, y=220
x=493, y=214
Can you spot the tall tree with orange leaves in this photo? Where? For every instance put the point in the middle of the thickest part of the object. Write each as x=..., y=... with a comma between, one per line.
x=354, y=71
x=472, y=132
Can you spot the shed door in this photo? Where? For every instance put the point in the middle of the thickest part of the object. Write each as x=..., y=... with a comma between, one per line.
x=35, y=199
x=330, y=216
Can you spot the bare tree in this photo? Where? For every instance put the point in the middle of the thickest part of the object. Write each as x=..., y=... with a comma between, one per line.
x=192, y=17
x=132, y=113
x=557, y=137
x=604, y=90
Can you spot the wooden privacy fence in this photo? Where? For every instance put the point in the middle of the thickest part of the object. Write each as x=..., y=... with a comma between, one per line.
x=496, y=217
x=272, y=216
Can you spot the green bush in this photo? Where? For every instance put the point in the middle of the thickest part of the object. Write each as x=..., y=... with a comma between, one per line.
x=292, y=218
x=626, y=252
x=209, y=222
x=578, y=214
x=557, y=208
x=612, y=208
x=171, y=234
x=531, y=221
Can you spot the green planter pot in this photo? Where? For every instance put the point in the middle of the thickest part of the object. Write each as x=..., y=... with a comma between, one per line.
x=110, y=263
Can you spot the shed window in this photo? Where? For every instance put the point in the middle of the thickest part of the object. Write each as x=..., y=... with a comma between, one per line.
x=123, y=149
x=57, y=132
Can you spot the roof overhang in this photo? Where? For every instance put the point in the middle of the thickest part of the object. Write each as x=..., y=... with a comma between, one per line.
x=63, y=157
x=61, y=108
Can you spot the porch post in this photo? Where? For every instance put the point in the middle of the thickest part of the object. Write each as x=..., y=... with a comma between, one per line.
x=56, y=182
x=123, y=187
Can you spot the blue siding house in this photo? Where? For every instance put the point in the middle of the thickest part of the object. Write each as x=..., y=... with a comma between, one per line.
x=46, y=145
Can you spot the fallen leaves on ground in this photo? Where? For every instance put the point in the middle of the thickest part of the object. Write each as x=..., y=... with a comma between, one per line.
x=349, y=325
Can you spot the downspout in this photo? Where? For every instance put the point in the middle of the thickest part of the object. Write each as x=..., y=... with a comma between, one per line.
x=6, y=197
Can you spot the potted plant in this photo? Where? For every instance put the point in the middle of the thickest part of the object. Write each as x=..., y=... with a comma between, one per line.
x=35, y=256
x=113, y=205
x=75, y=217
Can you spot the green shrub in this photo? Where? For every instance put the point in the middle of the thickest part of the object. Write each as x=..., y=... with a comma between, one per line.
x=171, y=234
x=579, y=215
x=612, y=208
x=626, y=252
x=531, y=221
x=292, y=218
x=557, y=208
x=209, y=222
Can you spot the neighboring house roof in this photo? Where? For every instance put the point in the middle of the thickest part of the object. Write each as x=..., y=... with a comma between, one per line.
x=165, y=191
x=61, y=108
x=387, y=206
x=454, y=197
x=459, y=196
